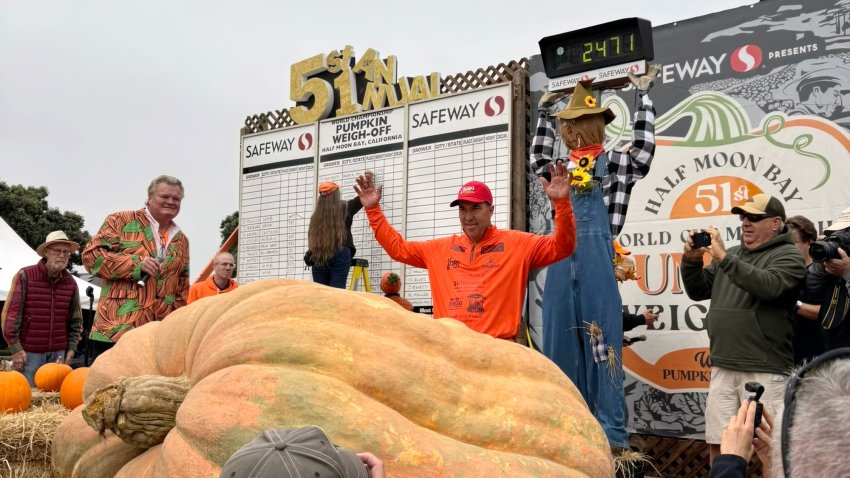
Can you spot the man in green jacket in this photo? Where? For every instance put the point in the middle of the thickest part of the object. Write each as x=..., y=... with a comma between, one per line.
x=752, y=288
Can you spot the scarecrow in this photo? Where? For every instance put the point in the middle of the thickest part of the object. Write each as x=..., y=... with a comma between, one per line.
x=582, y=310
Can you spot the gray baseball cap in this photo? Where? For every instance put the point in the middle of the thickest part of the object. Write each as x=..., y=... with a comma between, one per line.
x=293, y=453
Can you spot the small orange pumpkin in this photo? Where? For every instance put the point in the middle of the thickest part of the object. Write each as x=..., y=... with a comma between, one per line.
x=15, y=392
x=71, y=392
x=390, y=283
x=49, y=376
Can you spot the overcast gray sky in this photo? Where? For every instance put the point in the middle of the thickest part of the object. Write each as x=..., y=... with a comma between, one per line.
x=99, y=97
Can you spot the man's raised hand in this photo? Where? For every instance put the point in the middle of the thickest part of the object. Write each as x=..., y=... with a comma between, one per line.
x=559, y=186
x=370, y=195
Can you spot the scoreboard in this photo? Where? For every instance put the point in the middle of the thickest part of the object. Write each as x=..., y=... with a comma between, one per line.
x=421, y=152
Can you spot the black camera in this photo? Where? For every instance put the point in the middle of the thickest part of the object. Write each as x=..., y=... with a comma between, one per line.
x=701, y=239
x=828, y=248
x=755, y=390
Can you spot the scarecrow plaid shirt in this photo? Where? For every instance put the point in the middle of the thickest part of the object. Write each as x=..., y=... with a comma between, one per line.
x=624, y=168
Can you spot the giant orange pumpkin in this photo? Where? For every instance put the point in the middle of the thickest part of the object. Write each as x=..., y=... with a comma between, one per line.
x=49, y=377
x=429, y=397
x=71, y=392
x=15, y=392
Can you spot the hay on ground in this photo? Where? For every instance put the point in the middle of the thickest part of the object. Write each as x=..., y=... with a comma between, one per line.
x=25, y=437
x=631, y=463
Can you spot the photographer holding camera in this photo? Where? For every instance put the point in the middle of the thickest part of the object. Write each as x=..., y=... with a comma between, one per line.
x=753, y=291
x=832, y=267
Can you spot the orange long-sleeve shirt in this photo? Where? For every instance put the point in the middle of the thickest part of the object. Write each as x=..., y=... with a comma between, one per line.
x=482, y=285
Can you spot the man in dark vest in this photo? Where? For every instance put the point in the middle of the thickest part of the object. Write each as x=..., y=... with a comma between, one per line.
x=42, y=320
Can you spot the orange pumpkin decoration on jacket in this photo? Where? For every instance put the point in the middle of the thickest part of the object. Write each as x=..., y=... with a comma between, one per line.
x=15, y=393
x=71, y=392
x=49, y=376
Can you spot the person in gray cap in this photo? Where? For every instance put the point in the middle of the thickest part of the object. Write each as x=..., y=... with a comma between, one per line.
x=299, y=452
x=753, y=292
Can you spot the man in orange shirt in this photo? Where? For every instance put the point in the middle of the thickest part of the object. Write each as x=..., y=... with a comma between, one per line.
x=218, y=282
x=480, y=276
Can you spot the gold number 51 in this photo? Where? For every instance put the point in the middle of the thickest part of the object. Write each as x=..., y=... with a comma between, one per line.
x=300, y=89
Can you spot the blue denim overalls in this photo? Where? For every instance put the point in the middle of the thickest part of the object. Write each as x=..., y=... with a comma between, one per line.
x=581, y=289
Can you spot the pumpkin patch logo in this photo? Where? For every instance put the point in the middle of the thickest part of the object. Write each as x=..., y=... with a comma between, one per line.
x=476, y=304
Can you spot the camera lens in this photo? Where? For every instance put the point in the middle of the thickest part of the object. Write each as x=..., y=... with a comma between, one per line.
x=823, y=250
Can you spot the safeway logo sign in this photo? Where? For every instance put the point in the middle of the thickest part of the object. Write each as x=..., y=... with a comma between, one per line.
x=305, y=141
x=494, y=106
x=746, y=58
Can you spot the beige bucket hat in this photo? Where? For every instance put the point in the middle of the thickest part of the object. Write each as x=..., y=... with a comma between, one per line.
x=56, y=237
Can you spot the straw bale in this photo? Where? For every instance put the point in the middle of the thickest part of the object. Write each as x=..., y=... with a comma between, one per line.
x=25, y=438
x=33, y=469
x=40, y=398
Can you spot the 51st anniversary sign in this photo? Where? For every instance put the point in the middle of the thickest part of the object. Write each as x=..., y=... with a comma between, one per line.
x=336, y=84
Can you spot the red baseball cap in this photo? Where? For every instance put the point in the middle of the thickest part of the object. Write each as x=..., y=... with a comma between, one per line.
x=473, y=191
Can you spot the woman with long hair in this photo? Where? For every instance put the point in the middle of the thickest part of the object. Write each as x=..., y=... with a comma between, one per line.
x=329, y=236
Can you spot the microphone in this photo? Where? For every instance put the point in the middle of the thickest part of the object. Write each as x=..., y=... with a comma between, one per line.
x=144, y=275
x=638, y=338
x=90, y=292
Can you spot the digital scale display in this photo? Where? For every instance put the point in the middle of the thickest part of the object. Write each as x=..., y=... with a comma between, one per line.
x=612, y=43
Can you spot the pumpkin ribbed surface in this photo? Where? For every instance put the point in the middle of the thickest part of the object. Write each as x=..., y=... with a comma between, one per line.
x=429, y=397
x=71, y=392
x=49, y=377
x=15, y=392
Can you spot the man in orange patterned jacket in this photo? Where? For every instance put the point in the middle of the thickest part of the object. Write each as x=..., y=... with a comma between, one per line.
x=143, y=257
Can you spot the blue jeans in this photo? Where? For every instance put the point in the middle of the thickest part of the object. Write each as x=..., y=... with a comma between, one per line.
x=336, y=272
x=581, y=290
x=37, y=359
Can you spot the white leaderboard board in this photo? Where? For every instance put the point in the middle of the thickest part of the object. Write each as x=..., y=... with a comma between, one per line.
x=349, y=146
x=278, y=174
x=451, y=141
x=422, y=153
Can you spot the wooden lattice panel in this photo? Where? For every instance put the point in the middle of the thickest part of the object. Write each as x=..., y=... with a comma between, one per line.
x=492, y=75
x=267, y=121
x=677, y=458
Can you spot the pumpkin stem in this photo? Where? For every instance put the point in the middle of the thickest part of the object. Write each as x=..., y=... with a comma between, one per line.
x=139, y=410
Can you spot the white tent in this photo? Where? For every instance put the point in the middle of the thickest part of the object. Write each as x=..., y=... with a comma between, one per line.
x=15, y=254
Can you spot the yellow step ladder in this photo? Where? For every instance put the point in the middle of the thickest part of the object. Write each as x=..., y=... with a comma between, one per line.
x=361, y=269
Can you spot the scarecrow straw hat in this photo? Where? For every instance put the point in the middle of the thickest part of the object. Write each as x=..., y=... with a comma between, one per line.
x=583, y=102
